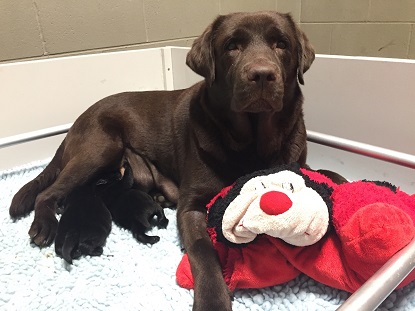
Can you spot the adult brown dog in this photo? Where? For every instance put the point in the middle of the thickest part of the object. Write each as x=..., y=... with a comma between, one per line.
x=246, y=115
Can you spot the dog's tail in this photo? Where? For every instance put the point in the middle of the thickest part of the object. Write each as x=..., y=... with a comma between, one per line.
x=24, y=200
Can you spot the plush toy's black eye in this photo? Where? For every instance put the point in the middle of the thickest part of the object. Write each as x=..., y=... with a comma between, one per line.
x=288, y=186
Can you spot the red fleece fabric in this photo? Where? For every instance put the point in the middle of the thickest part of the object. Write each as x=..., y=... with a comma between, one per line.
x=363, y=246
x=371, y=223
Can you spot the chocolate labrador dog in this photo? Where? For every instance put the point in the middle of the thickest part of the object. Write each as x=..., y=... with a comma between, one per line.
x=246, y=115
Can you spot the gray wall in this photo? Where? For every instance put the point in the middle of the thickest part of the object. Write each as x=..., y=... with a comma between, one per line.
x=44, y=28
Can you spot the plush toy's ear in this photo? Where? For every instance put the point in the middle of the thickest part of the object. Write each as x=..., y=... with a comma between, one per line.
x=201, y=57
x=306, y=54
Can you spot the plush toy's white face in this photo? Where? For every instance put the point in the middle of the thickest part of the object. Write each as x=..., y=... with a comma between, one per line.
x=280, y=205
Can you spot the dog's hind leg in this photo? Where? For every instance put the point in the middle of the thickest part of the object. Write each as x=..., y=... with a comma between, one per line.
x=149, y=179
x=23, y=201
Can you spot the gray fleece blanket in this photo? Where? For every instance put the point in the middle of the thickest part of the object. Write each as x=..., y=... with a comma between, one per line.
x=129, y=275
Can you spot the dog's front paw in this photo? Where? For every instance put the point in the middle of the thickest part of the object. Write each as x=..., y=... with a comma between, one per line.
x=212, y=293
x=215, y=300
x=43, y=229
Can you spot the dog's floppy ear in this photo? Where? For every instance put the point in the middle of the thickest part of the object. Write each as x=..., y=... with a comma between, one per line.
x=201, y=57
x=306, y=54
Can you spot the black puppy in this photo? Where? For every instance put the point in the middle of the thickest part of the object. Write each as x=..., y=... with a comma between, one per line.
x=133, y=209
x=84, y=226
x=88, y=210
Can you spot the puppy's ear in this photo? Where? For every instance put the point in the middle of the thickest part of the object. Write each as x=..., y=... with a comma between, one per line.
x=306, y=54
x=201, y=56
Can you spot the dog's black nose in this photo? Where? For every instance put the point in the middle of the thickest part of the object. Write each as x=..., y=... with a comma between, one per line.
x=261, y=74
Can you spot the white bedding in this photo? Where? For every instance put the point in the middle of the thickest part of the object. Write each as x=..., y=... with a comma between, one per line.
x=129, y=275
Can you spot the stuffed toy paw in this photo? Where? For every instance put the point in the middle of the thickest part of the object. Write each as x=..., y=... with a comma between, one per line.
x=373, y=221
x=274, y=224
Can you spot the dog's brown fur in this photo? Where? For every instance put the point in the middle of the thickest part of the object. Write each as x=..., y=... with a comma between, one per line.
x=246, y=115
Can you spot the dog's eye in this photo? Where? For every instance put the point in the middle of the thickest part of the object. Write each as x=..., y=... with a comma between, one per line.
x=281, y=45
x=231, y=46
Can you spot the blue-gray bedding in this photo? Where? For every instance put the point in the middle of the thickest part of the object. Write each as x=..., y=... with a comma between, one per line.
x=129, y=275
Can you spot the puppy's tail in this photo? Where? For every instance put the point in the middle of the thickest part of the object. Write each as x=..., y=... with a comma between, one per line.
x=24, y=200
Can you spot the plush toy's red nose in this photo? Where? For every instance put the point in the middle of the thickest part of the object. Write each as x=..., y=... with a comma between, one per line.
x=275, y=202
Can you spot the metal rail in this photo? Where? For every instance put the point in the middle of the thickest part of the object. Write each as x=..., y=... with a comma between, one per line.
x=29, y=136
x=371, y=294
x=375, y=290
x=379, y=153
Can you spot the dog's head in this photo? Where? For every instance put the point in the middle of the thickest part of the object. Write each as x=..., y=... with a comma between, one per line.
x=258, y=57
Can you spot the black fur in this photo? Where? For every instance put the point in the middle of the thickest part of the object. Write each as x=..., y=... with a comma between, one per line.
x=84, y=226
x=88, y=212
x=133, y=209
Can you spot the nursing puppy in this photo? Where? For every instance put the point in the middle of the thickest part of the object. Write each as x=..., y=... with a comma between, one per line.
x=131, y=208
x=188, y=144
x=84, y=225
x=89, y=210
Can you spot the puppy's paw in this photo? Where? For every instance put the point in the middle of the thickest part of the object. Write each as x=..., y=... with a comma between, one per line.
x=146, y=239
x=156, y=219
x=74, y=240
x=159, y=219
x=66, y=244
x=43, y=229
x=73, y=244
x=144, y=222
x=69, y=247
x=136, y=211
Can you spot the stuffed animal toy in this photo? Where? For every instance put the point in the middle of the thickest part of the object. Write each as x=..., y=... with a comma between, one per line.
x=270, y=226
